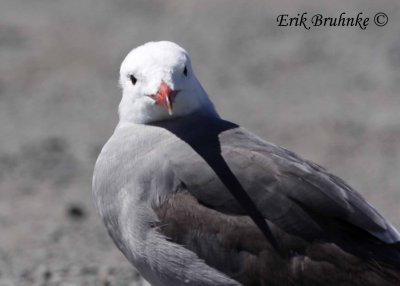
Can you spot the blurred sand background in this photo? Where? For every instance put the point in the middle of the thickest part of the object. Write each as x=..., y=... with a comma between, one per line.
x=330, y=94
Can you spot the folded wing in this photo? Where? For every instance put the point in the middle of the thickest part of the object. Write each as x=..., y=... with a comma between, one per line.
x=296, y=195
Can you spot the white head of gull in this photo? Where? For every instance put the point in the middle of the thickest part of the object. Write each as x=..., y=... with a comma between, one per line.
x=158, y=83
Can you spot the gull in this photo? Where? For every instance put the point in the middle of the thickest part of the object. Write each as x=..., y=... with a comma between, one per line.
x=192, y=199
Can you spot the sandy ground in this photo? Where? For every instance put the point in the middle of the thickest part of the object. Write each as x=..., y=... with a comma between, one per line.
x=330, y=94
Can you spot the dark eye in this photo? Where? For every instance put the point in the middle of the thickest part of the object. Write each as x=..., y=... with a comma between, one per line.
x=185, y=71
x=133, y=79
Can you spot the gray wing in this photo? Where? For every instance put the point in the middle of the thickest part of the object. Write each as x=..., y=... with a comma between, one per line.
x=296, y=195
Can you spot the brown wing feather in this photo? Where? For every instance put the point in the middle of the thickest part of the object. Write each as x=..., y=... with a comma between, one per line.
x=234, y=245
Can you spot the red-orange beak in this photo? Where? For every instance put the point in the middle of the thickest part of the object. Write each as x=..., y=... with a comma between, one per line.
x=165, y=97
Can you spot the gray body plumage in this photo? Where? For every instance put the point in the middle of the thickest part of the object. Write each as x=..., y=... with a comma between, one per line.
x=130, y=176
x=147, y=176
